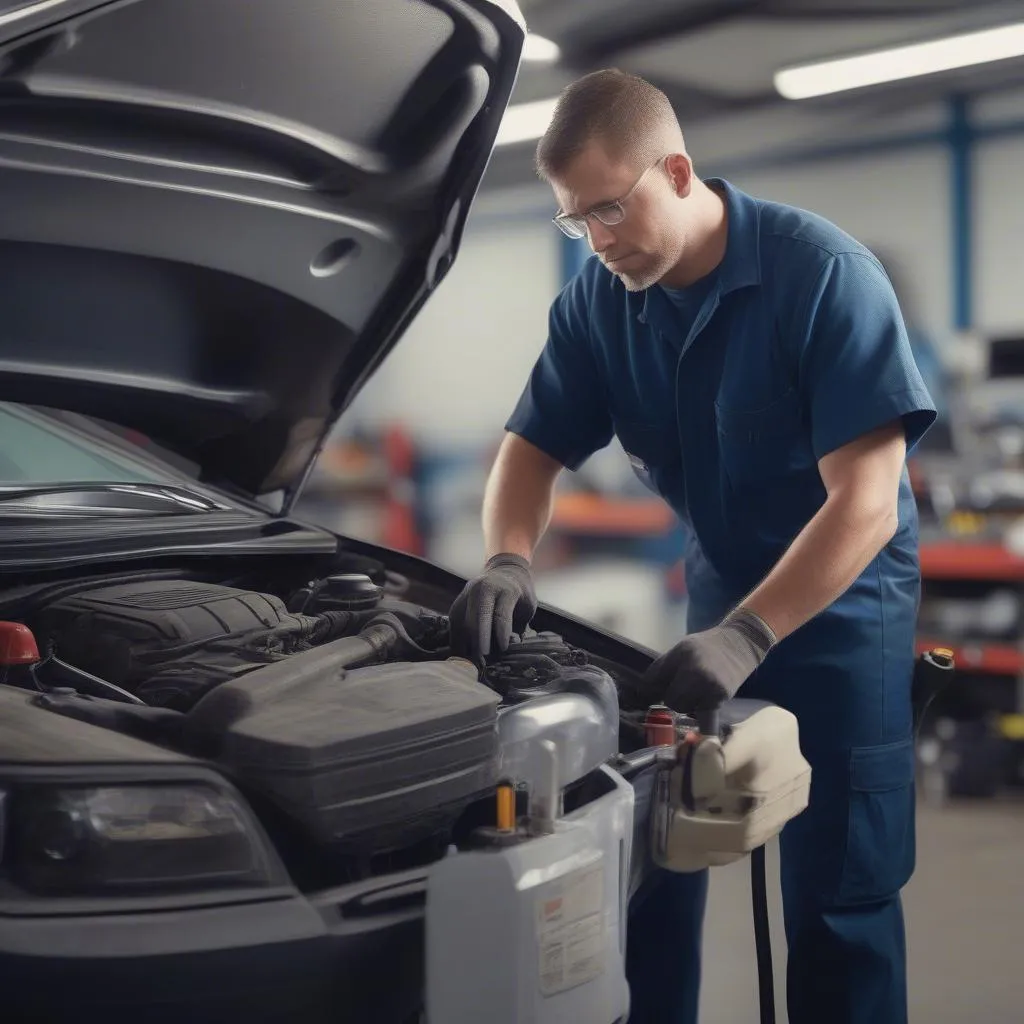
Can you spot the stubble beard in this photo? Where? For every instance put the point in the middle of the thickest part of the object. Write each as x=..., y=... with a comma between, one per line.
x=646, y=277
x=640, y=279
x=633, y=283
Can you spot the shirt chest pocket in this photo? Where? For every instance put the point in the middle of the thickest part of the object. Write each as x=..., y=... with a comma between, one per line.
x=652, y=450
x=759, y=446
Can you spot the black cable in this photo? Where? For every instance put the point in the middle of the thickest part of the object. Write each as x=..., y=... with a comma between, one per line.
x=762, y=936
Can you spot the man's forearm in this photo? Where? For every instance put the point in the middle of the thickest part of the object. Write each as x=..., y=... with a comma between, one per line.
x=518, y=498
x=513, y=521
x=824, y=560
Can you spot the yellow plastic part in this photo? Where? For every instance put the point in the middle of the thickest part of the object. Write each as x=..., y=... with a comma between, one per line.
x=506, y=799
x=1012, y=727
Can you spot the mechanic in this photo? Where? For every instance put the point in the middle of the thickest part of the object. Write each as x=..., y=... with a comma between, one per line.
x=753, y=362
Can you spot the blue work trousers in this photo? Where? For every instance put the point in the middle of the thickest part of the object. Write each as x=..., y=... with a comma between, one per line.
x=843, y=863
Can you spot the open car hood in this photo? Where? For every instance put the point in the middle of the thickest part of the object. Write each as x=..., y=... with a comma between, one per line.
x=218, y=216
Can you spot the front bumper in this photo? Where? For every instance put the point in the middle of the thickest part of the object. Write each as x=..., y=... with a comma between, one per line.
x=352, y=954
x=355, y=953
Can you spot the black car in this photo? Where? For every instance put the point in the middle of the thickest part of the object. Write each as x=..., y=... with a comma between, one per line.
x=232, y=743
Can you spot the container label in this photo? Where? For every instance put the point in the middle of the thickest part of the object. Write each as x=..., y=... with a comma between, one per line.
x=570, y=930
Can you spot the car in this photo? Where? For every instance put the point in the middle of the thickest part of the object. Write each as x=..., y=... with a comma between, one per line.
x=236, y=751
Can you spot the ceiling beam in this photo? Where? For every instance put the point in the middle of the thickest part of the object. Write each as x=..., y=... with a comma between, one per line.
x=691, y=102
x=595, y=42
x=591, y=46
x=875, y=10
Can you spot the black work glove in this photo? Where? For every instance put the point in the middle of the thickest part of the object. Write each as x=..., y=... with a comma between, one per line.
x=491, y=607
x=704, y=669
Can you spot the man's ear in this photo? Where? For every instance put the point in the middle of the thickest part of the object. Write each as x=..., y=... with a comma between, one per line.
x=680, y=172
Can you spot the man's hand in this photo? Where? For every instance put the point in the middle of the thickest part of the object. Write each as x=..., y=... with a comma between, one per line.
x=491, y=607
x=707, y=668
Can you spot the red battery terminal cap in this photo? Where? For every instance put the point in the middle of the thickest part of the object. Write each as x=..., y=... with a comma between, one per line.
x=17, y=645
x=660, y=726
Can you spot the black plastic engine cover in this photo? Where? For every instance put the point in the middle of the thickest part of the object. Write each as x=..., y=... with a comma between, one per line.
x=369, y=759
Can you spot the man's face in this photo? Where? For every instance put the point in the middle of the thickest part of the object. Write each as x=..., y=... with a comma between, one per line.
x=649, y=241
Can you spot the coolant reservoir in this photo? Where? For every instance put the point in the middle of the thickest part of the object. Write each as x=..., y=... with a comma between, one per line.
x=531, y=928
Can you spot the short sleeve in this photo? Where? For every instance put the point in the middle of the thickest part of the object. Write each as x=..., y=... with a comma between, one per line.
x=857, y=370
x=563, y=410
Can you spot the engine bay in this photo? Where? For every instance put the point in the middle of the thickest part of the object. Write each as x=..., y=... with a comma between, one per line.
x=332, y=702
x=170, y=642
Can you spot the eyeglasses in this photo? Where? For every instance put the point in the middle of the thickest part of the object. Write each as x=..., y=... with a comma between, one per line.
x=574, y=225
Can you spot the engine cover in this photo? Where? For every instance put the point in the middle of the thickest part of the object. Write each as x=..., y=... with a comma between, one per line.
x=371, y=758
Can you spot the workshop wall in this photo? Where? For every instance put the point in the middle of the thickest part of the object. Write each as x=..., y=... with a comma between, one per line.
x=458, y=371
x=999, y=237
x=999, y=216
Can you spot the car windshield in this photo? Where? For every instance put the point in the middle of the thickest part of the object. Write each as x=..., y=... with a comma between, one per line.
x=44, y=447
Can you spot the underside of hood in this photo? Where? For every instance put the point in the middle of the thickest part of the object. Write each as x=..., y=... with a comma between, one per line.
x=218, y=216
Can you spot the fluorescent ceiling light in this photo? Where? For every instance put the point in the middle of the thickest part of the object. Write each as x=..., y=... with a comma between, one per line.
x=890, y=65
x=541, y=50
x=525, y=121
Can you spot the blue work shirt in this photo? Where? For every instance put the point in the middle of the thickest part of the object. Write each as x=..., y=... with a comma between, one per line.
x=725, y=396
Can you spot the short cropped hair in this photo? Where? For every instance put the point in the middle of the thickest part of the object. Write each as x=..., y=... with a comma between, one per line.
x=631, y=117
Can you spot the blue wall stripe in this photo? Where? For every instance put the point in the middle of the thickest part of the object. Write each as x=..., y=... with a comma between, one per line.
x=574, y=254
x=998, y=130
x=961, y=203
x=822, y=153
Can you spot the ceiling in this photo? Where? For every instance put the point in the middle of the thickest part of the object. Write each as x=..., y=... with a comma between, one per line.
x=715, y=59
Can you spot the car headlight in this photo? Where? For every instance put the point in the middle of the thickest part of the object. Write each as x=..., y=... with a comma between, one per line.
x=132, y=840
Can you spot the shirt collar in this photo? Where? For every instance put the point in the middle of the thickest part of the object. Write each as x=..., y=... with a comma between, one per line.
x=741, y=265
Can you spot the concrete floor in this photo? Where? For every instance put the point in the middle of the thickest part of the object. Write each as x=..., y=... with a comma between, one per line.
x=965, y=924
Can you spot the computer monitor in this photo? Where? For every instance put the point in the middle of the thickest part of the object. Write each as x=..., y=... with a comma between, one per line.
x=1006, y=356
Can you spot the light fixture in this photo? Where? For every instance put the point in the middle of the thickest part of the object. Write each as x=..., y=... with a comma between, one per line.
x=525, y=121
x=899, y=62
x=540, y=50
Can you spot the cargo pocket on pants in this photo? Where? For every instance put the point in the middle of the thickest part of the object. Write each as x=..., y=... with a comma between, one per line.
x=880, y=841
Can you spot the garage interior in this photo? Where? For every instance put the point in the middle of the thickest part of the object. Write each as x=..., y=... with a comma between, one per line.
x=926, y=170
